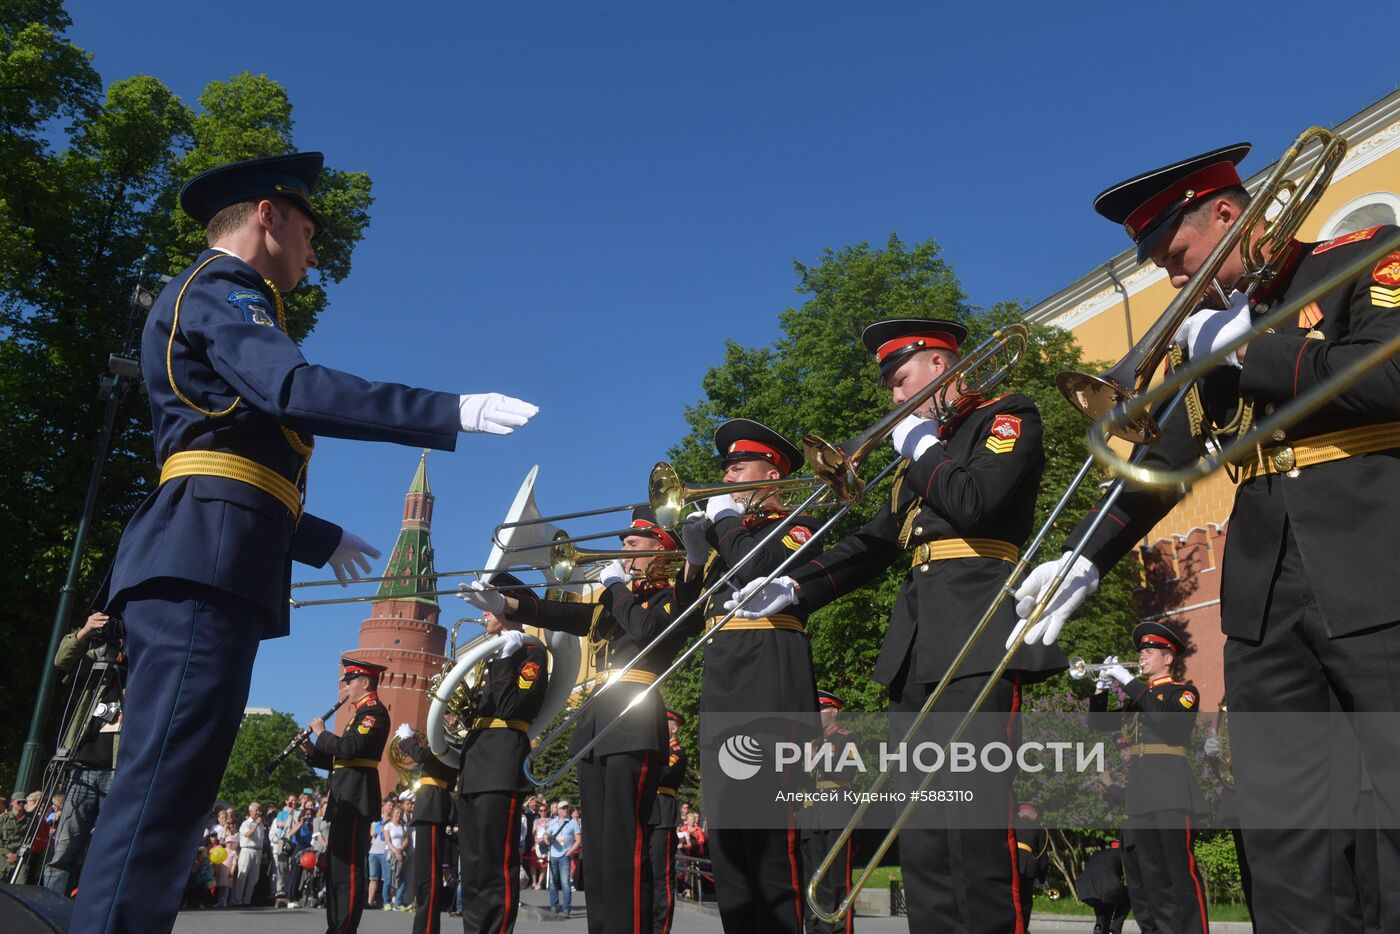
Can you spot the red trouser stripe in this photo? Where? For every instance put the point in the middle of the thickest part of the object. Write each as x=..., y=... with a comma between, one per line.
x=354, y=862
x=1195, y=877
x=670, y=880
x=506, y=875
x=850, y=915
x=638, y=844
x=794, y=875
x=1010, y=829
x=433, y=869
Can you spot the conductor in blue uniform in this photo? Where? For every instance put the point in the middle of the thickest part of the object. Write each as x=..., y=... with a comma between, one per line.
x=204, y=566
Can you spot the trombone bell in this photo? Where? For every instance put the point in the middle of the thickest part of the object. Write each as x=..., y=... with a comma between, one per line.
x=1096, y=396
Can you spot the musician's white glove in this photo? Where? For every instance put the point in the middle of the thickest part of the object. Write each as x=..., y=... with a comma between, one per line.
x=1118, y=673
x=1083, y=580
x=1105, y=681
x=1212, y=746
x=494, y=413
x=769, y=598
x=482, y=597
x=913, y=436
x=404, y=731
x=722, y=506
x=694, y=530
x=511, y=641
x=612, y=573
x=351, y=557
x=1206, y=331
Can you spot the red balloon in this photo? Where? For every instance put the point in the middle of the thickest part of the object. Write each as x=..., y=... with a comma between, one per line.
x=308, y=859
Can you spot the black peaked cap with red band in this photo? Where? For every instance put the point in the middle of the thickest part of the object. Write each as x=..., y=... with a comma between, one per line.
x=1157, y=636
x=644, y=523
x=353, y=666
x=1147, y=204
x=895, y=340
x=675, y=715
x=292, y=176
x=742, y=439
x=828, y=699
x=510, y=585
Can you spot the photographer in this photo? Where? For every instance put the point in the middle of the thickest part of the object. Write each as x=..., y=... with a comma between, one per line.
x=300, y=836
x=89, y=740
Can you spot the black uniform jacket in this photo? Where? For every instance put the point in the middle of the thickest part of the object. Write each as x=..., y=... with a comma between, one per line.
x=618, y=627
x=666, y=812
x=980, y=483
x=432, y=804
x=1102, y=878
x=223, y=376
x=354, y=789
x=512, y=688
x=1032, y=860
x=833, y=815
x=1162, y=713
x=1344, y=515
x=751, y=670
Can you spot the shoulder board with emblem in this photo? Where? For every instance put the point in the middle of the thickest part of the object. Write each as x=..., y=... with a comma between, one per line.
x=1356, y=236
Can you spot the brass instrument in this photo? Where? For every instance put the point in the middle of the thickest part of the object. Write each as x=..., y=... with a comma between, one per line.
x=1079, y=668
x=405, y=766
x=565, y=557
x=374, y=598
x=1226, y=768
x=841, y=481
x=670, y=497
x=1097, y=396
x=1129, y=420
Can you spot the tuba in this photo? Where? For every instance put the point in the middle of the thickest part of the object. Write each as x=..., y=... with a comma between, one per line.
x=405, y=766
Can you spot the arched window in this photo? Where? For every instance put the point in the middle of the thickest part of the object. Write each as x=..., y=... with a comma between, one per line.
x=1370, y=210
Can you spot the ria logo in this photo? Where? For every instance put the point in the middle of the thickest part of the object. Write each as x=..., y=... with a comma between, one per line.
x=740, y=757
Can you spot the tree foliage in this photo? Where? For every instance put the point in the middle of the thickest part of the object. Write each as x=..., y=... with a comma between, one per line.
x=89, y=182
x=261, y=736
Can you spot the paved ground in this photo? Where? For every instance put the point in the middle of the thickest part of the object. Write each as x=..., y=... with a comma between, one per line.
x=534, y=919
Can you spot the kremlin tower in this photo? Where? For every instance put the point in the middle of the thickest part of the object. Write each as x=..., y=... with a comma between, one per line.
x=402, y=632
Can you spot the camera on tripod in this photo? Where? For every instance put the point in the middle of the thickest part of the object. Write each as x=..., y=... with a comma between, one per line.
x=107, y=711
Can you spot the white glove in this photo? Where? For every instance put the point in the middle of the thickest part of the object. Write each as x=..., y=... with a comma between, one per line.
x=612, y=573
x=1206, y=331
x=480, y=596
x=348, y=559
x=494, y=413
x=1083, y=580
x=777, y=594
x=913, y=436
x=1212, y=746
x=693, y=531
x=511, y=641
x=404, y=731
x=1119, y=673
x=723, y=506
x=1105, y=681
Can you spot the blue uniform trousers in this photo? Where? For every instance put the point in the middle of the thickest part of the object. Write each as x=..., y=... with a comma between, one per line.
x=190, y=650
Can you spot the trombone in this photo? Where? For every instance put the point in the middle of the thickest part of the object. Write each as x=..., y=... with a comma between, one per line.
x=1096, y=396
x=565, y=557
x=669, y=497
x=415, y=594
x=1016, y=336
x=1093, y=396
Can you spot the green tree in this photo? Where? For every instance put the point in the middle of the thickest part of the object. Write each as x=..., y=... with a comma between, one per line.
x=261, y=736
x=88, y=199
x=818, y=378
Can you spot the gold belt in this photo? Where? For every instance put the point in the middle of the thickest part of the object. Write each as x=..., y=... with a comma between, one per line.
x=1320, y=449
x=1156, y=749
x=233, y=467
x=632, y=676
x=356, y=763
x=826, y=784
x=780, y=621
x=496, y=723
x=666, y=790
x=946, y=549
x=435, y=782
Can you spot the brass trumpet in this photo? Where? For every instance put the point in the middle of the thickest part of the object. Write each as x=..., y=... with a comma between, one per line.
x=1079, y=668
x=1097, y=396
x=565, y=557
x=669, y=497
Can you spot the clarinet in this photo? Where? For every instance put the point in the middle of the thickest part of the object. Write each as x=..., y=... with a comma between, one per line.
x=297, y=740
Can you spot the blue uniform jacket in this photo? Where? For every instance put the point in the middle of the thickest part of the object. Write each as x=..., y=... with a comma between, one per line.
x=227, y=378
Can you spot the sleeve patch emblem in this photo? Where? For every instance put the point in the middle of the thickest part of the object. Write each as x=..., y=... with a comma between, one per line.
x=528, y=673
x=673, y=760
x=1004, y=432
x=1387, y=271
x=1382, y=297
x=1187, y=699
x=796, y=537
x=253, y=305
x=1355, y=236
x=365, y=726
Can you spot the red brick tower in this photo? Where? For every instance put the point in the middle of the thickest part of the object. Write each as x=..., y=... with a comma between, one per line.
x=402, y=632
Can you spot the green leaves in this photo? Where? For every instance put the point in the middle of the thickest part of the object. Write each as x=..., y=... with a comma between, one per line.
x=260, y=738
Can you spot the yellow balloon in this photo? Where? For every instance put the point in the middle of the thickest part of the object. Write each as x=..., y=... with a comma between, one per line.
x=217, y=855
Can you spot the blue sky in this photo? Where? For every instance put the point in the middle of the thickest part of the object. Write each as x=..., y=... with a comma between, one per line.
x=577, y=203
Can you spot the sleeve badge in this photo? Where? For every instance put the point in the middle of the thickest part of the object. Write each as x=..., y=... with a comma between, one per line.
x=528, y=673
x=1001, y=439
x=1187, y=699
x=253, y=305
x=671, y=763
x=1386, y=292
x=365, y=726
x=796, y=537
